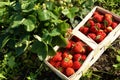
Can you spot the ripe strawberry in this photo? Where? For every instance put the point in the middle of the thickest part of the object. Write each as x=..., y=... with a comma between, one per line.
x=109, y=29
x=76, y=65
x=99, y=38
x=84, y=29
x=69, y=44
x=98, y=17
x=61, y=69
x=92, y=35
x=90, y=23
x=96, y=13
x=57, y=57
x=114, y=24
x=101, y=32
x=107, y=21
x=94, y=29
x=77, y=57
x=78, y=48
x=109, y=16
x=66, y=62
x=89, y=49
x=98, y=25
x=75, y=39
x=83, y=57
x=65, y=54
x=57, y=64
x=69, y=71
x=52, y=62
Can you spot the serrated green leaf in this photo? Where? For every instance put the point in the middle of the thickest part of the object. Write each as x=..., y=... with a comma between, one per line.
x=29, y=25
x=40, y=48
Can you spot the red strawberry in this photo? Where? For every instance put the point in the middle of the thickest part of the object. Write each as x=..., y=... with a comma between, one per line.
x=69, y=71
x=78, y=48
x=90, y=23
x=65, y=54
x=84, y=29
x=57, y=64
x=83, y=57
x=66, y=62
x=75, y=39
x=89, y=49
x=114, y=24
x=76, y=65
x=61, y=69
x=98, y=17
x=69, y=44
x=77, y=57
x=101, y=32
x=107, y=22
x=57, y=57
x=96, y=13
x=52, y=62
x=92, y=35
x=107, y=15
x=98, y=25
x=99, y=38
x=93, y=29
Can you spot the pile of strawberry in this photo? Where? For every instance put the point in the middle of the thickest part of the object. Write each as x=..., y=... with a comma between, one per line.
x=69, y=59
x=99, y=26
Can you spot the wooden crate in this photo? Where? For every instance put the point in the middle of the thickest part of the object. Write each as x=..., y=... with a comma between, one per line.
x=98, y=48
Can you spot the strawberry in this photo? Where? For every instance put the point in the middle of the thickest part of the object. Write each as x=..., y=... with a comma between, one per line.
x=77, y=57
x=92, y=35
x=98, y=17
x=96, y=13
x=64, y=55
x=83, y=57
x=114, y=24
x=84, y=29
x=75, y=39
x=98, y=25
x=109, y=16
x=99, y=38
x=69, y=71
x=57, y=64
x=78, y=48
x=69, y=44
x=90, y=23
x=66, y=62
x=109, y=29
x=60, y=69
x=76, y=65
x=101, y=32
x=52, y=62
x=93, y=29
x=89, y=49
x=57, y=57
x=107, y=22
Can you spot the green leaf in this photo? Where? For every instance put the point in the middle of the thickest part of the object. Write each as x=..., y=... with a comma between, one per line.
x=40, y=48
x=118, y=51
x=11, y=62
x=116, y=66
x=2, y=76
x=59, y=40
x=16, y=20
x=118, y=58
x=65, y=11
x=2, y=4
x=43, y=15
x=29, y=25
x=3, y=40
x=54, y=32
x=74, y=9
x=63, y=27
x=51, y=51
x=27, y=6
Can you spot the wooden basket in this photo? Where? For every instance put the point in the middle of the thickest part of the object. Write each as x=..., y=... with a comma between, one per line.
x=98, y=49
